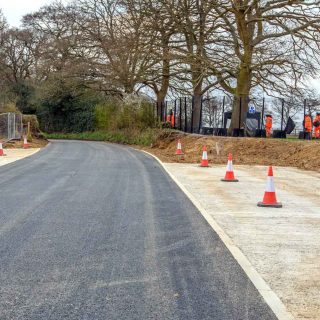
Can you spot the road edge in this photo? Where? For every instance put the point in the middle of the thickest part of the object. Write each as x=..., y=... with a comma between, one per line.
x=26, y=157
x=269, y=296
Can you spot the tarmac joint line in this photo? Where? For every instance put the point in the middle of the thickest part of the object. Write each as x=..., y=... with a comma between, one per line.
x=271, y=299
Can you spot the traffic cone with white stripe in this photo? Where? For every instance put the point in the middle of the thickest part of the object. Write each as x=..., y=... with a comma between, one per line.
x=204, y=160
x=25, y=143
x=230, y=174
x=1, y=150
x=270, y=199
x=179, y=148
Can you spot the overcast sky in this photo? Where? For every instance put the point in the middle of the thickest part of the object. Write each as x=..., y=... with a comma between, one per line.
x=14, y=10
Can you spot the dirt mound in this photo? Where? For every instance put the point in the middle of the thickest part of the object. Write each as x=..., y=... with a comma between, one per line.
x=36, y=143
x=34, y=124
x=276, y=152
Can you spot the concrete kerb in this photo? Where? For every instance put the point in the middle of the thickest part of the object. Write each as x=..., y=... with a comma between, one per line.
x=266, y=292
x=7, y=160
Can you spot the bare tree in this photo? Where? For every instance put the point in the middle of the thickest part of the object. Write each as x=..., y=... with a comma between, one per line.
x=264, y=44
x=115, y=42
x=195, y=24
x=159, y=30
x=17, y=48
x=59, y=49
x=189, y=46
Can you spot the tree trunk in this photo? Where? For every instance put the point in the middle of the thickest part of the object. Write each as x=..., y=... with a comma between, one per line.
x=241, y=99
x=196, y=112
x=165, y=80
x=160, y=104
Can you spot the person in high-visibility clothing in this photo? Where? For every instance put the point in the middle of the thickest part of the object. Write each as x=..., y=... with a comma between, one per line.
x=307, y=124
x=316, y=124
x=171, y=119
x=268, y=125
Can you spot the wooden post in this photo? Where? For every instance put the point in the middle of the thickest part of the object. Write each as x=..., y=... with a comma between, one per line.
x=29, y=131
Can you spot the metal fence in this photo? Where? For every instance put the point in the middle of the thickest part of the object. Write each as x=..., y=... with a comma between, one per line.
x=215, y=109
x=11, y=127
x=212, y=112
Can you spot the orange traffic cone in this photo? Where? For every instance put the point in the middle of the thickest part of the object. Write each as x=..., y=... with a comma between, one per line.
x=179, y=148
x=270, y=199
x=1, y=150
x=229, y=174
x=204, y=160
x=25, y=143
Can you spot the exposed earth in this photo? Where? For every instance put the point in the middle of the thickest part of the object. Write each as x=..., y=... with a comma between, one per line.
x=246, y=151
x=35, y=143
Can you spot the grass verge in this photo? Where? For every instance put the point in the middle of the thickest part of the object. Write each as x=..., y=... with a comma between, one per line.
x=133, y=137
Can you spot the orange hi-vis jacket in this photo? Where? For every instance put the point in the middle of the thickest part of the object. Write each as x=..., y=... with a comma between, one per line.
x=307, y=124
x=317, y=121
x=268, y=123
x=170, y=118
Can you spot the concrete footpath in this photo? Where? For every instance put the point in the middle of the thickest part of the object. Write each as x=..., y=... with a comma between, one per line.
x=283, y=245
x=13, y=155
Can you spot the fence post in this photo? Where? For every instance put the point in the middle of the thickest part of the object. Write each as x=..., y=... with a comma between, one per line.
x=185, y=115
x=282, y=110
x=180, y=114
x=262, y=114
x=158, y=111
x=200, y=120
x=240, y=110
x=192, y=106
x=28, y=130
x=175, y=114
x=304, y=116
x=223, y=106
x=8, y=121
x=165, y=111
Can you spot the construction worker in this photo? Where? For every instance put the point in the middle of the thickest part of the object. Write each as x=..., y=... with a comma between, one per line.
x=268, y=125
x=316, y=124
x=170, y=118
x=307, y=124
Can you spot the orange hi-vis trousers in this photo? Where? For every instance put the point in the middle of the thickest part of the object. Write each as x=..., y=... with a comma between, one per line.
x=268, y=131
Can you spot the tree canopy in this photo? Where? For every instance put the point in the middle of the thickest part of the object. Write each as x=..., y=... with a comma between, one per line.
x=120, y=47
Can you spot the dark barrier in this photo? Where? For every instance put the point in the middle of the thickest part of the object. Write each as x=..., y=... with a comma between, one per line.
x=304, y=135
x=238, y=132
x=220, y=132
x=260, y=133
x=207, y=131
x=279, y=134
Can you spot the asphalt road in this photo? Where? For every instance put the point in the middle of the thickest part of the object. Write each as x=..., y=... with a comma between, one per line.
x=99, y=231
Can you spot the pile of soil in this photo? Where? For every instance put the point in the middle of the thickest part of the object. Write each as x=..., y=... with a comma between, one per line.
x=247, y=151
x=34, y=124
x=35, y=143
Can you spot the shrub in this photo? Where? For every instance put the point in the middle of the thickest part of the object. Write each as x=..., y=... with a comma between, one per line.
x=63, y=108
x=128, y=114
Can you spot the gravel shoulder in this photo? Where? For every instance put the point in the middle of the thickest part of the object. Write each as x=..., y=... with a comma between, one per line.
x=13, y=155
x=282, y=244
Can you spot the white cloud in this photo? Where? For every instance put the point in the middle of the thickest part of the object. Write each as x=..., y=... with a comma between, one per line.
x=315, y=83
x=14, y=10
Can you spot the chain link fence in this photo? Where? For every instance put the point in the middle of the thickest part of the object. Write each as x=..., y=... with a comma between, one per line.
x=11, y=127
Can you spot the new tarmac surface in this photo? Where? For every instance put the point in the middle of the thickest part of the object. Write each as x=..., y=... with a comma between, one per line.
x=92, y=231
